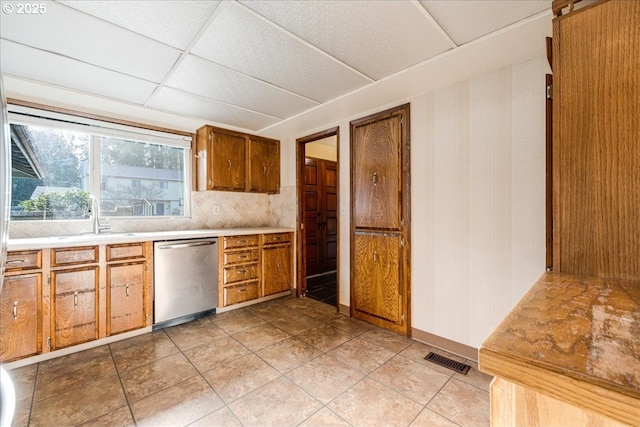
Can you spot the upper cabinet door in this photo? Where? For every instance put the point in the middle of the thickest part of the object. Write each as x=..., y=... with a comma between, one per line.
x=377, y=171
x=264, y=165
x=228, y=160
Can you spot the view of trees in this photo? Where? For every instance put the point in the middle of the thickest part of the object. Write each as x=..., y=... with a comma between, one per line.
x=63, y=155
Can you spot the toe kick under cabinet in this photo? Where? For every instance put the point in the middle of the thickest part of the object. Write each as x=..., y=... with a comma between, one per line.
x=55, y=298
x=254, y=266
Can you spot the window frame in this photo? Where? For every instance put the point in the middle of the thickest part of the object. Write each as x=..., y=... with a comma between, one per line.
x=21, y=112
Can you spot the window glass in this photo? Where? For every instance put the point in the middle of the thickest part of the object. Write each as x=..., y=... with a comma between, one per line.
x=141, y=179
x=58, y=163
x=48, y=176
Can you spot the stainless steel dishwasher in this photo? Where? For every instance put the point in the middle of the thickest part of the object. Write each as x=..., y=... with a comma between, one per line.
x=185, y=280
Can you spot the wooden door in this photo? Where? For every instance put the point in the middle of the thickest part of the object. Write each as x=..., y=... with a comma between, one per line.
x=264, y=165
x=228, y=162
x=74, y=309
x=380, y=214
x=125, y=296
x=20, y=316
x=321, y=218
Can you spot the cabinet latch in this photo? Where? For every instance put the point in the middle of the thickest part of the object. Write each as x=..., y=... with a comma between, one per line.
x=48, y=342
x=550, y=92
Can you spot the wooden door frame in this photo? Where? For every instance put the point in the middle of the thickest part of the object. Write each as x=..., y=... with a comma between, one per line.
x=301, y=258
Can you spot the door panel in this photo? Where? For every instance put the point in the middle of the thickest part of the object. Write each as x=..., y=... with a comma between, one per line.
x=377, y=172
x=321, y=205
x=228, y=160
x=380, y=226
x=377, y=286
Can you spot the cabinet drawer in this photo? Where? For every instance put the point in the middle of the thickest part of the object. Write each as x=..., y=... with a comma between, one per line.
x=275, y=238
x=240, y=257
x=240, y=241
x=70, y=256
x=125, y=251
x=240, y=293
x=23, y=260
x=237, y=274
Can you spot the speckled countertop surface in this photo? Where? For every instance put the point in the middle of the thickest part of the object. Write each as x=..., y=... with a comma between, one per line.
x=584, y=331
x=108, y=238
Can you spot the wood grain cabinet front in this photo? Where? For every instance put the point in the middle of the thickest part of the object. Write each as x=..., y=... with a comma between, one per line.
x=239, y=269
x=227, y=160
x=129, y=287
x=277, y=268
x=74, y=307
x=21, y=316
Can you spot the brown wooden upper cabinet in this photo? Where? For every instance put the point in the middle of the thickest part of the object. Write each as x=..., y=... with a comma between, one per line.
x=264, y=165
x=227, y=160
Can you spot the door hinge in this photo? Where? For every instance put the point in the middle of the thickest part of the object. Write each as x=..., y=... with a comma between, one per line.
x=301, y=226
x=49, y=280
x=402, y=223
x=48, y=342
x=550, y=92
x=403, y=317
x=402, y=242
x=401, y=121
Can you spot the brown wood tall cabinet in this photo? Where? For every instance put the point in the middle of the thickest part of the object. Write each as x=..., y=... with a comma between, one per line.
x=227, y=160
x=596, y=140
x=380, y=219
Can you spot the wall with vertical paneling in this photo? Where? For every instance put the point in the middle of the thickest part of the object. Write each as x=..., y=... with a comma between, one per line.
x=478, y=199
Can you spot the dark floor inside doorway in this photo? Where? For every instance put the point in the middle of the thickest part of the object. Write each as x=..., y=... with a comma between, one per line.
x=323, y=288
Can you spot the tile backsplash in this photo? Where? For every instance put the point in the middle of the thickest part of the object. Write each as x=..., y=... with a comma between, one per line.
x=235, y=210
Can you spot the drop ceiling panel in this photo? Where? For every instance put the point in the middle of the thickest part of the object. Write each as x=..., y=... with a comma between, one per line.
x=172, y=22
x=71, y=33
x=467, y=20
x=377, y=38
x=242, y=41
x=205, y=78
x=190, y=105
x=26, y=62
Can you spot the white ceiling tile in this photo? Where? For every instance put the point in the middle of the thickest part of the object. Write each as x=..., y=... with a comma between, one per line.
x=175, y=23
x=205, y=78
x=377, y=38
x=467, y=20
x=23, y=61
x=68, y=32
x=190, y=105
x=247, y=43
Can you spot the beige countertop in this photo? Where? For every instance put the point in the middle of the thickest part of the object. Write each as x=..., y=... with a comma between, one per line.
x=574, y=338
x=104, y=238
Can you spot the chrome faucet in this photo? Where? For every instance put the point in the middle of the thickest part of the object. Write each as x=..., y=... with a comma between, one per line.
x=97, y=227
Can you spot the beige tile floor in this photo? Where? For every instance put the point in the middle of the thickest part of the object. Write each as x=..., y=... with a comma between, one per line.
x=285, y=362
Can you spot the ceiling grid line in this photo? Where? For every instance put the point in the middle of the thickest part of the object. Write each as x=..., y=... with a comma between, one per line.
x=435, y=23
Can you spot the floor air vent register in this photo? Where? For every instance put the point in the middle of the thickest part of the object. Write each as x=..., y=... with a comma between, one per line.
x=448, y=363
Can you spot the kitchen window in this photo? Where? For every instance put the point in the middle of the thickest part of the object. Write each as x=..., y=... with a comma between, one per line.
x=59, y=160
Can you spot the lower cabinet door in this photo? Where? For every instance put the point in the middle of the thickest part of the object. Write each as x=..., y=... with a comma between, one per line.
x=376, y=272
x=276, y=269
x=20, y=317
x=74, y=309
x=125, y=287
x=240, y=293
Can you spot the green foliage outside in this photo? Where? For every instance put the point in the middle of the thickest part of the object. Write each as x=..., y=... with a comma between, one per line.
x=71, y=203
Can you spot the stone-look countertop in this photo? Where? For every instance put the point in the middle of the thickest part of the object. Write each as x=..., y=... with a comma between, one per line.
x=112, y=238
x=574, y=338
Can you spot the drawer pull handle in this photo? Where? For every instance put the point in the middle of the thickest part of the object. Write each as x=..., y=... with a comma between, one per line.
x=242, y=290
x=127, y=290
x=17, y=261
x=277, y=238
x=75, y=299
x=264, y=169
x=15, y=310
x=375, y=256
x=374, y=179
x=242, y=257
x=229, y=164
x=242, y=271
x=242, y=241
x=278, y=265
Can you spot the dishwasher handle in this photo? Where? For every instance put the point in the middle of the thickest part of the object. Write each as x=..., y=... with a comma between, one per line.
x=187, y=245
